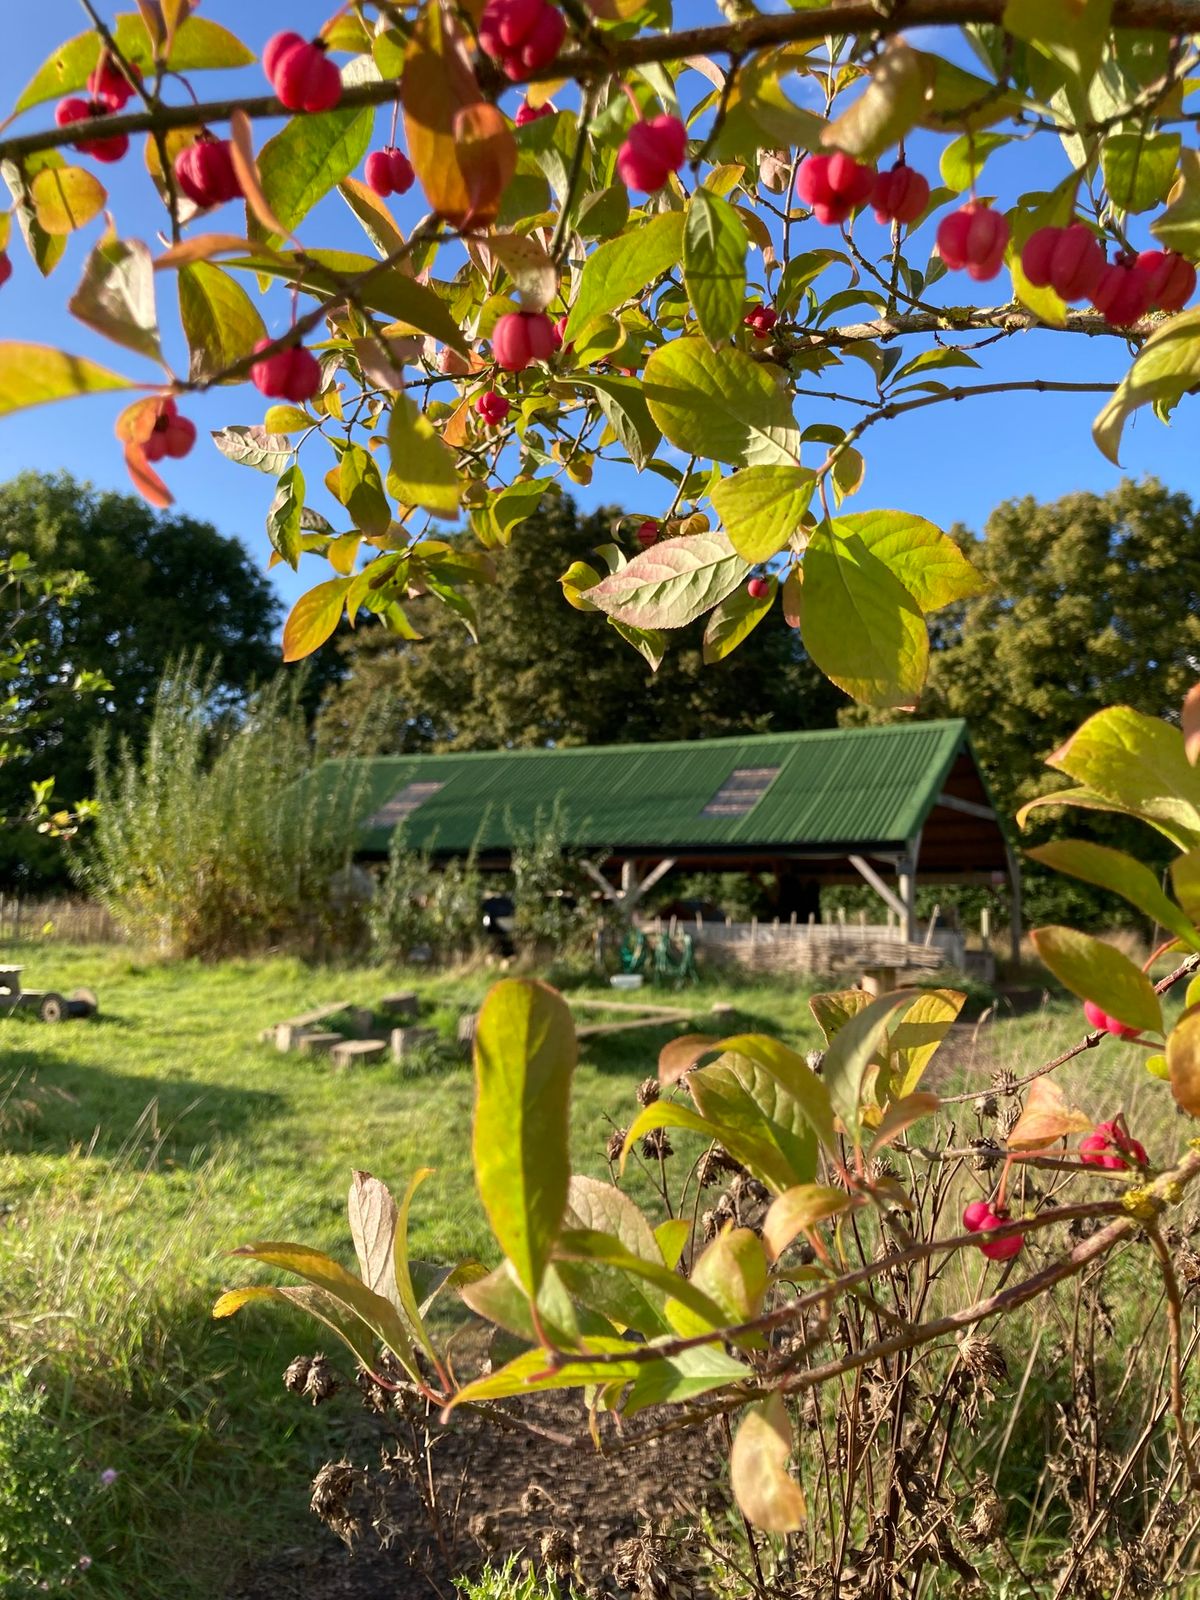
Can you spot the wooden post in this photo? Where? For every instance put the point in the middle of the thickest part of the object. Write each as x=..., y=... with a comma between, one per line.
x=1014, y=924
x=985, y=928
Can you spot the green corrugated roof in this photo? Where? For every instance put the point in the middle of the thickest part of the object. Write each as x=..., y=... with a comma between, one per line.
x=846, y=786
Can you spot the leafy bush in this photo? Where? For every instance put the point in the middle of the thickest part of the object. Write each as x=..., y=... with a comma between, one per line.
x=40, y=1494
x=216, y=838
x=552, y=893
x=421, y=906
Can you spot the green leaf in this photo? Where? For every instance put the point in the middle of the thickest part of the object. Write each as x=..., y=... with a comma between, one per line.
x=621, y=269
x=528, y=1373
x=525, y=1054
x=198, y=45
x=799, y=1209
x=888, y=108
x=405, y=1289
x=1139, y=764
x=1183, y=1061
x=377, y=221
x=733, y=1271
x=758, y=1475
x=672, y=1236
x=1099, y=972
x=392, y=292
x=1139, y=168
x=283, y=517
x=34, y=374
x=762, y=507
x=45, y=249
x=1185, y=880
x=733, y=621
x=913, y=1043
x=1121, y=874
x=424, y=470
x=116, y=296
x=1165, y=368
x=703, y=1311
x=499, y=1298
x=963, y=159
x=623, y=1299
x=738, y=1095
x=720, y=403
x=714, y=265
x=323, y=1272
x=66, y=198
x=855, y=1045
x=1071, y=32
x=625, y=409
x=220, y=321
x=833, y=1011
x=926, y=561
x=649, y=643
x=309, y=156
x=1178, y=228
x=682, y=1377
x=286, y=419
x=860, y=624
x=318, y=1303
x=672, y=583
x=313, y=618
x=254, y=447
x=793, y=1074
x=360, y=489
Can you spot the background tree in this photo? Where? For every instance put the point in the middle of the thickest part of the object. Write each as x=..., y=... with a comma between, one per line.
x=159, y=586
x=542, y=672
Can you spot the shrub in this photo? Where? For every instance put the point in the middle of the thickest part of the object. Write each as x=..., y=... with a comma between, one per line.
x=419, y=906
x=41, y=1497
x=552, y=893
x=217, y=838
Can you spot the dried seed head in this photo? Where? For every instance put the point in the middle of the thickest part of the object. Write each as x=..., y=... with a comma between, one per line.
x=714, y=1165
x=296, y=1375
x=988, y=1516
x=533, y=1500
x=375, y=1397
x=333, y=1490
x=1188, y=1262
x=983, y=1358
x=615, y=1145
x=647, y=1091
x=987, y=1155
x=1008, y=1118
x=321, y=1382
x=557, y=1550
x=1004, y=1082
x=710, y=1226
x=989, y=1109
x=656, y=1146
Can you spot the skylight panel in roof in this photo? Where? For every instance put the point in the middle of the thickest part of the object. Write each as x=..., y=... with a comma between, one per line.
x=741, y=792
x=402, y=805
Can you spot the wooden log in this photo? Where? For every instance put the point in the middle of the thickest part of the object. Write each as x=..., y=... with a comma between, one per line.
x=362, y=1020
x=318, y=1043
x=467, y=1028
x=357, y=1052
x=407, y=1004
x=407, y=1042
x=308, y=1017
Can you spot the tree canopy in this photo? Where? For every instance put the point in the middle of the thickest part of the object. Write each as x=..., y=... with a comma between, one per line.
x=160, y=586
x=541, y=672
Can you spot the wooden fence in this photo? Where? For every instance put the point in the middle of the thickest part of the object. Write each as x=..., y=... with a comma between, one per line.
x=64, y=920
x=815, y=946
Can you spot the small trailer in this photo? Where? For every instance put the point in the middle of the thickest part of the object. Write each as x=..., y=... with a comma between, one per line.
x=48, y=1003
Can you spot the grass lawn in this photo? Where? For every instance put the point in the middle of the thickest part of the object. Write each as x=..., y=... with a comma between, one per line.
x=135, y=1149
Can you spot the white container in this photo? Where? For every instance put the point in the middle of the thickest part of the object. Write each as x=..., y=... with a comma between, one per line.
x=626, y=980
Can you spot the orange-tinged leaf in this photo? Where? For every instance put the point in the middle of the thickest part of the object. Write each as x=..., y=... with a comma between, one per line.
x=681, y=1055
x=797, y=1211
x=145, y=480
x=1190, y=722
x=765, y=1493
x=1047, y=1117
x=204, y=246
x=901, y=1115
x=1183, y=1061
x=136, y=422
x=313, y=619
x=245, y=164
x=487, y=154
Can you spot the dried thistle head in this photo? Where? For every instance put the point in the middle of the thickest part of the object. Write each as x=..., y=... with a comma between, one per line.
x=321, y=1381
x=557, y=1550
x=988, y=1154
x=656, y=1146
x=714, y=1165
x=375, y=1397
x=989, y=1514
x=334, y=1489
x=296, y=1374
x=983, y=1358
x=616, y=1145
x=1004, y=1081
x=648, y=1091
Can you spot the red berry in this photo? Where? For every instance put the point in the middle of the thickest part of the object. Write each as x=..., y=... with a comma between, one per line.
x=1067, y=260
x=834, y=186
x=389, y=172
x=108, y=84
x=652, y=151
x=973, y=239
x=293, y=374
x=492, y=407
x=205, y=172
x=527, y=113
x=1123, y=293
x=975, y=1215
x=1109, y=1146
x=758, y=588
x=1172, y=278
x=301, y=73
x=521, y=35
x=181, y=436
x=6, y=268
x=900, y=195
x=646, y=533
x=999, y=1249
x=521, y=337
x=761, y=320
x=72, y=110
x=1100, y=1020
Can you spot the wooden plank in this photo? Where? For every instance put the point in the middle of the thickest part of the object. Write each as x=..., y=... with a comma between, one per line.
x=319, y=1015
x=660, y=1020
x=628, y=1007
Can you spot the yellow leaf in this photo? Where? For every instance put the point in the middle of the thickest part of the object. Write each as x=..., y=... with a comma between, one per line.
x=768, y=1497
x=1047, y=1117
x=65, y=198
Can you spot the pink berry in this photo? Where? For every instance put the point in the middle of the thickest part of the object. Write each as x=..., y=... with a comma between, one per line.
x=974, y=240
x=652, y=151
x=1172, y=278
x=761, y=320
x=1109, y=1146
x=522, y=337
x=1067, y=260
x=758, y=588
x=72, y=110
x=975, y=1215
x=834, y=186
x=293, y=374
x=1123, y=293
x=521, y=35
x=527, y=113
x=108, y=84
x=301, y=73
x=999, y=1249
x=900, y=195
x=646, y=533
x=389, y=172
x=6, y=268
x=205, y=171
x=492, y=407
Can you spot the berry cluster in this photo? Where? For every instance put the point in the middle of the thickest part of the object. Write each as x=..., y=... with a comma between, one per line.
x=1071, y=261
x=301, y=73
x=981, y=1216
x=293, y=374
x=389, y=171
x=205, y=171
x=521, y=35
x=652, y=151
x=523, y=337
x=492, y=407
x=73, y=109
x=1112, y=1147
x=761, y=320
x=172, y=434
x=1103, y=1023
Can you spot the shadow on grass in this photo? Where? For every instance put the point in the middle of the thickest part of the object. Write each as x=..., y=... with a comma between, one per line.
x=72, y=1104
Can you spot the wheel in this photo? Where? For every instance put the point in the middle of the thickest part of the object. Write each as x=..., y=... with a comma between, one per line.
x=83, y=1002
x=52, y=1008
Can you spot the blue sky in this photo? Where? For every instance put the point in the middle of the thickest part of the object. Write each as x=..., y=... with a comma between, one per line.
x=950, y=463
